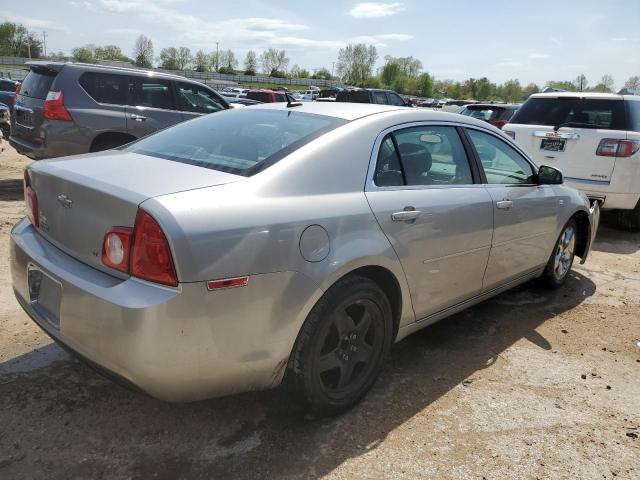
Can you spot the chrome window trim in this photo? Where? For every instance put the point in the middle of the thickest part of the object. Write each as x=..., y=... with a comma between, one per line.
x=370, y=185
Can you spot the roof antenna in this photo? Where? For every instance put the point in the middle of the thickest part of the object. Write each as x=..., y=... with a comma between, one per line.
x=291, y=102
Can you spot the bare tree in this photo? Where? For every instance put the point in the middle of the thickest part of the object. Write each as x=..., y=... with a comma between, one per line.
x=143, y=52
x=184, y=58
x=273, y=60
x=633, y=82
x=201, y=61
x=356, y=62
x=581, y=82
x=250, y=63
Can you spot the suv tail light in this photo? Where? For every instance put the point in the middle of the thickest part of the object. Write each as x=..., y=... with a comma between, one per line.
x=142, y=252
x=31, y=201
x=510, y=133
x=54, y=108
x=499, y=123
x=612, y=147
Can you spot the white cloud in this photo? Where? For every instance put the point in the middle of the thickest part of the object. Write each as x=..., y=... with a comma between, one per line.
x=375, y=9
x=509, y=62
x=34, y=23
x=537, y=56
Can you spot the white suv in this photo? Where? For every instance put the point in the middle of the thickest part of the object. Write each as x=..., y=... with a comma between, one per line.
x=593, y=138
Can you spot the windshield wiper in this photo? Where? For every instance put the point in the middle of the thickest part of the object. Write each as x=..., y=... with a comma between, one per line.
x=574, y=124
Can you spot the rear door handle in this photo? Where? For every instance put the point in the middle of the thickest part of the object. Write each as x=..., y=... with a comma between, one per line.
x=504, y=204
x=409, y=214
x=138, y=118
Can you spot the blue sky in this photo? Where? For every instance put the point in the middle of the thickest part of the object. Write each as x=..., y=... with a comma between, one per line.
x=533, y=41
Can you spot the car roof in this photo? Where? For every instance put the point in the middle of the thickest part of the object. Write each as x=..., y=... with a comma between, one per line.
x=57, y=66
x=590, y=95
x=494, y=105
x=353, y=111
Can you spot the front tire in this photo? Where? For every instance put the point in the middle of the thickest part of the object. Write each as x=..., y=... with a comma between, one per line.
x=557, y=270
x=341, y=347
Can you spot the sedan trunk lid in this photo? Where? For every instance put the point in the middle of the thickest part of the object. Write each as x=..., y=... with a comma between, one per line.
x=81, y=197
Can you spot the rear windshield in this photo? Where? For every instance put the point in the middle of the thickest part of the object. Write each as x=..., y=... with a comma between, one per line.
x=261, y=96
x=483, y=113
x=242, y=142
x=572, y=112
x=37, y=84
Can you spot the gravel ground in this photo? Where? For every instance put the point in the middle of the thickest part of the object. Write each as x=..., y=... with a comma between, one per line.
x=530, y=384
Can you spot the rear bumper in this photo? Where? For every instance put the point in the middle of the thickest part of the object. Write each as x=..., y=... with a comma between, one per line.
x=55, y=139
x=604, y=193
x=177, y=344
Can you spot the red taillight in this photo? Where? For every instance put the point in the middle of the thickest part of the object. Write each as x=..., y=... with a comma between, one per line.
x=15, y=98
x=510, y=133
x=151, y=257
x=54, y=108
x=116, y=247
x=31, y=201
x=498, y=123
x=611, y=147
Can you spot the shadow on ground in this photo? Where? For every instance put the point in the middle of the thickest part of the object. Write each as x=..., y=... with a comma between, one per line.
x=105, y=430
x=11, y=190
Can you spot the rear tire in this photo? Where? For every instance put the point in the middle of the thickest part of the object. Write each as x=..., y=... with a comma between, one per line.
x=630, y=219
x=341, y=347
x=559, y=265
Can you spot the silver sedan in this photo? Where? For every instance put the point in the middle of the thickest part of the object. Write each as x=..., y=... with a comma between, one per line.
x=285, y=244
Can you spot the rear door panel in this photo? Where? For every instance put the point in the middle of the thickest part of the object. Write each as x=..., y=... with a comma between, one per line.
x=151, y=107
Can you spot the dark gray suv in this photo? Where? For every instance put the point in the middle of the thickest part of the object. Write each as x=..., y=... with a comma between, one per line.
x=71, y=108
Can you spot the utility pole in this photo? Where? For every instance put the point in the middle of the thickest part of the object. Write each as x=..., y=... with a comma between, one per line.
x=333, y=64
x=217, y=58
x=44, y=42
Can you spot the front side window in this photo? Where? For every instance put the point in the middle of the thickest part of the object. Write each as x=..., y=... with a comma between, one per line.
x=242, y=142
x=502, y=163
x=152, y=92
x=428, y=155
x=194, y=98
x=105, y=87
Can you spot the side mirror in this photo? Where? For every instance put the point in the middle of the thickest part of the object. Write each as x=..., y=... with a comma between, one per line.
x=549, y=176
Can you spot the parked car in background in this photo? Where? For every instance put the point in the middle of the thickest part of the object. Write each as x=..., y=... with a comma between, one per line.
x=289, y=243
x=371, y=95
x=242, y=101
x=594, y=138
x=71, y=108
x=497, y=114
x=5, y=121
x=8, y=92
x=329, y=92
x=267, y=96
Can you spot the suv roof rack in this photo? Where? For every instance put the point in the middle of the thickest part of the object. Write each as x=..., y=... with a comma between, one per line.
x=628, y=91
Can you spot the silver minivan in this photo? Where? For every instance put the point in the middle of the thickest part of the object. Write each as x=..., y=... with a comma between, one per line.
x=72, y=108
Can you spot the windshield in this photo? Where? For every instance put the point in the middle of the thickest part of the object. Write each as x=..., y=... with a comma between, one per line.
x=568, y=111
x=242, y=142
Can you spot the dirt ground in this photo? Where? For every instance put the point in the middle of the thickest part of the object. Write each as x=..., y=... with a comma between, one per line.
x=531, y=384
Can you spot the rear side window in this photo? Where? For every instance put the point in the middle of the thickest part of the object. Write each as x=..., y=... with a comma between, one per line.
x=105, y=87
x=572, y=112
x=242, y=142
x=194, y=98
x=353, y=96
x=380, y=98
x=428, y=155
x=633, y=112
x=152, y=92
x=37, y=84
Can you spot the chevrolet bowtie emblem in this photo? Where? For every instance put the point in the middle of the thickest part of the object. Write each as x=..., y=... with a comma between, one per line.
x=65, y=201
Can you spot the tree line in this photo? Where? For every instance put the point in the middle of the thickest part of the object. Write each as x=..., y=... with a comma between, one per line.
x=355, y=66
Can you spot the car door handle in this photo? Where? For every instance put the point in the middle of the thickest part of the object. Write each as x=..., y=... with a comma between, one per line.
x=138, y=118
x=406, y=215
x=504, y=204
